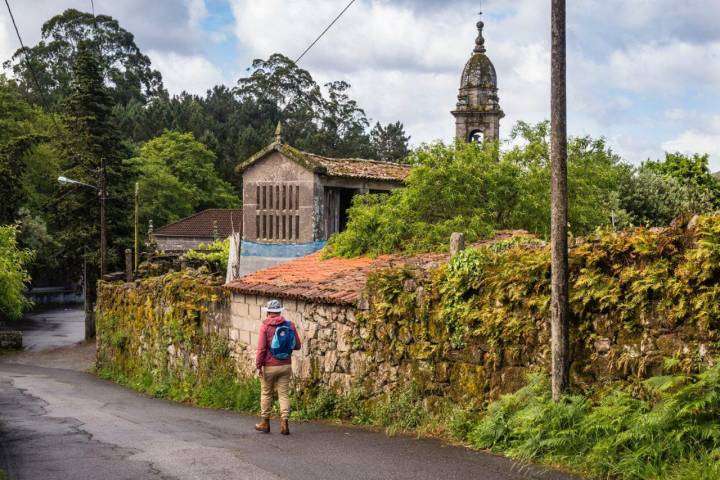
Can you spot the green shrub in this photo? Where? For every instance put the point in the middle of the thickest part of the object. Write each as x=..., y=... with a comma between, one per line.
x=13, y=274
x=673, y=433
x=215, y=253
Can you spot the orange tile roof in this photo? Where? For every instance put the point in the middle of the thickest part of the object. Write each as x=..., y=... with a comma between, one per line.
x=337, y=281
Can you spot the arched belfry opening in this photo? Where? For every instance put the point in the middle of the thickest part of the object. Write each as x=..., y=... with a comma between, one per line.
x=478, y=113
x=476, y=136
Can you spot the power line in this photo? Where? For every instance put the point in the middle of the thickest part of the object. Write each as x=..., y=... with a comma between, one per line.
x=27, y=62
x=324, y=31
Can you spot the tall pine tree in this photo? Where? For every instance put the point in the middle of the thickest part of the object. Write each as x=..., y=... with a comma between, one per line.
x=94, y=140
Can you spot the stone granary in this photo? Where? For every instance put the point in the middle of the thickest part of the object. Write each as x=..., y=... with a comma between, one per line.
x=477, y=113
x=202, y=227
x=293, y=201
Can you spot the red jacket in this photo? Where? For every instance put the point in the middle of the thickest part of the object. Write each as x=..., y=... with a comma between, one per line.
x=267, y=331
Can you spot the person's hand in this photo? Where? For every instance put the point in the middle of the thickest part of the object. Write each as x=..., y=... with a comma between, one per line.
x=259, y=372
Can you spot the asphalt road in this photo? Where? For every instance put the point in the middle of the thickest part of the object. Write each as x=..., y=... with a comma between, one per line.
x=50, y=328
x=60, y=423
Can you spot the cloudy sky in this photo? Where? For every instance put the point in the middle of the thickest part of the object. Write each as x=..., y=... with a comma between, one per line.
x=643, y=73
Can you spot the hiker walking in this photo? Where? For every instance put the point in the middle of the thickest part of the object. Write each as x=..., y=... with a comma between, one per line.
x=278, y=339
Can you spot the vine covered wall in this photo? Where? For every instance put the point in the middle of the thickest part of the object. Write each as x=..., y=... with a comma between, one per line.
x=644, y=302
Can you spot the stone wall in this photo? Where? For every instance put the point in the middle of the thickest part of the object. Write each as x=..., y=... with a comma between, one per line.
x=325, y=330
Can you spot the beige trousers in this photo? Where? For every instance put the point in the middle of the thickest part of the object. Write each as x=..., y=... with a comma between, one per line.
x=275, y=377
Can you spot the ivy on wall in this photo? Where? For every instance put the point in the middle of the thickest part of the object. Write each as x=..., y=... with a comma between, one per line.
x=166, y=336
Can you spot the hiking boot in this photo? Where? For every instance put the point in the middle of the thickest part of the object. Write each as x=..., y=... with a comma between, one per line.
x=263, y=426
x=284, y=427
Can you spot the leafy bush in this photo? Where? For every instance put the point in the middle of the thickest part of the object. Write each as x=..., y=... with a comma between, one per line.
x=215, y=253
x=651, y=199
x=13, y=274
x=476, y=189
x=674, y=433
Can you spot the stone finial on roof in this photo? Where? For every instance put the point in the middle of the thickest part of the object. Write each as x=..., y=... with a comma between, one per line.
x=480, y=40
x=278, y=133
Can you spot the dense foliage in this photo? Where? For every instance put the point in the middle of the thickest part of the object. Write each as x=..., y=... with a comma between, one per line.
x=120, y=61
x=106, y=102
x=666, y=429
x=13, y=274
x=177, y=178
x=478, y=189
x=215, y=253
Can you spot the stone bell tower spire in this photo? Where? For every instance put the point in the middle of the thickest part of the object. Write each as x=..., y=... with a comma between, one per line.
x=478, y=113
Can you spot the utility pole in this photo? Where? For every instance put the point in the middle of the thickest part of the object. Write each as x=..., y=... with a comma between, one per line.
x=559, y=216
x=137, y=195
x=103, y=221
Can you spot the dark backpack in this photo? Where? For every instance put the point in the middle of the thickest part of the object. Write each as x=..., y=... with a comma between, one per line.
x=283, y=341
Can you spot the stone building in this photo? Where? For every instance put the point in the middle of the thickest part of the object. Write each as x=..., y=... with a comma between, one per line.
x=202, y=227
x=478, y=113
x=293, y=201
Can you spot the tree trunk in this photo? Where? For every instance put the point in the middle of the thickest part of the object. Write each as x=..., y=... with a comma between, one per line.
x=559, y=221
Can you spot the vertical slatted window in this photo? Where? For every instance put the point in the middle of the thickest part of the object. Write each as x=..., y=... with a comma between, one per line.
x=278, y=208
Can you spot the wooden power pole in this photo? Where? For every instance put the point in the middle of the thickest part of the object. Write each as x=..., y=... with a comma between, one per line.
x=103, y=220
x=559, y=217
x=137, y=242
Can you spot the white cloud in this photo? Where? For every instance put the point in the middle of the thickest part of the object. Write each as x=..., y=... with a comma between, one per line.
x=197, y=11
x=669, y=68
x=703, y=138
x=191, y=73
x=7, y=47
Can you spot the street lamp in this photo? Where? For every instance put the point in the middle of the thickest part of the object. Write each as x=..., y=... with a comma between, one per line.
x=101, y=189
x=103, y=224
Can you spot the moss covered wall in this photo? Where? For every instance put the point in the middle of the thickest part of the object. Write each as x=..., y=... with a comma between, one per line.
x=643, y=302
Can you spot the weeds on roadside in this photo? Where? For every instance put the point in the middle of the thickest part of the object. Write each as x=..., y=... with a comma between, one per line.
x=675, y=433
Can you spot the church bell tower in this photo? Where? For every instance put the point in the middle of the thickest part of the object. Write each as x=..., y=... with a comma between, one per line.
x=477, y=113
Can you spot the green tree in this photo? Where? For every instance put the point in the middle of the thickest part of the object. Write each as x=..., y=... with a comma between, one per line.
x=26, y=154
x=121, y=63
x=691, y=170
x=457, y=188
x=95, y=141
x=13, y=274
x=389, y=142
x=477, y=189
x=650, y=199
x=279, y=90
x=177, y=177
x=594, y=176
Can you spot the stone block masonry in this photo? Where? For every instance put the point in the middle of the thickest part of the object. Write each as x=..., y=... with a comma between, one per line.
x=325, y=331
